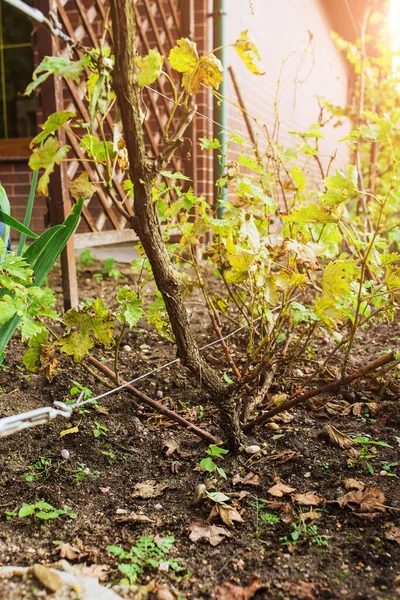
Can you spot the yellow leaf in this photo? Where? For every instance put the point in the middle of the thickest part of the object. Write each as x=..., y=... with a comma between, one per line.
x=81, y=187
x=325, y=309
x=68, y=431
x=392, y=277
x=184, y=56
x=248, y=52
x=209, y=69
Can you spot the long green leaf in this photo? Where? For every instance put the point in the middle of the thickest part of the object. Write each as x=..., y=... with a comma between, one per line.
x=15, y=224
x=37, y=246
x=5, y=208
x=56, y=244
x=28, y=212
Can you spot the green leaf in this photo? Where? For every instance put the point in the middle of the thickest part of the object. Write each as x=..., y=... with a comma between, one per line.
x=52, y=65
x=299, y=178
x=208, y=464
x=26, y=510
x=28, y=212
x=172, y=175
x=54, y=122
x=217, y=451
x=14, y=224
x=130, y=311
x=248, y=52
x=97, y=149
x=31, y=358
x=4, y=210
x=209, y=144
x=92, y=322
x=149, y=68
x=46, y=157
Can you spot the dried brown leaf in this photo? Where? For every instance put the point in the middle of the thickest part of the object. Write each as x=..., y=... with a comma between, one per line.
x=308, y=499
x=250, y=479
x=367, y=500
x=68, y=551
x=211, y=533
x=280, y=489
x=134, y=518
x=170, y=446
x=339, y=438
x=227, y=514
x=98, y=571
x=230, y=591
x=393, y=535
x=353, y=484
x=148, y=489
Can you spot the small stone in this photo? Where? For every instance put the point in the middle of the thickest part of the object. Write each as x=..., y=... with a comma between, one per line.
x=325, y=341
x=252, y=449
x=126, y=348
x=165, y=594
x=159, y=394
x=199, y=494
x=47, y=577
x=158, y=506
x=298, y=373
x=64, y=454
x=307, y=475
x=383, y=473
x=86, y=471
x=121, y=511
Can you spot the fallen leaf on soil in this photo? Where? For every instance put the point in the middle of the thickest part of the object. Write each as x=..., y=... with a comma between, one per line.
x=302, y=590
x=98, y=571
x=212, y=533
x=341, y=439
x=280, y=489
x=170, y=446
x=102, y=410
x=285, y=510
x=283, y=457
x=312, y=515
x=70, y=552
x=47, y=577
x=68, y=431
x=227, y=514
x=104, y=490
x=283, y=417
x=308, y=499
x=148, y=489
x=353, y=484
x=250, y=479
x=230, y=591
x=368, y=500
x=134, y=518
x=393, y=534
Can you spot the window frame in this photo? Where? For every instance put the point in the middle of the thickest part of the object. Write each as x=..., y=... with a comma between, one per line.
x=15, y=147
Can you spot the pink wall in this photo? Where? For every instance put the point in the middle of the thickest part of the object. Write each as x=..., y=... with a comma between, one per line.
x=279, y=28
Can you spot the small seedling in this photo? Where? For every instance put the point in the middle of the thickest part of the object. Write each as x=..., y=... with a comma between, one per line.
x=270, y=519
x=110, y=271
x=209, y=465
x=366, y=453
x=41, y=469
x=44, y=511
x=82, y=472
x=146, y=553
x=78, y=388
x=267, y=518
x=100, y=430
x=389, y=467
x=302, y=533
x=85, y=258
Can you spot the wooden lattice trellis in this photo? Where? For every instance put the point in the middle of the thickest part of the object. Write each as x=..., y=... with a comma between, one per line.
x=160, y=24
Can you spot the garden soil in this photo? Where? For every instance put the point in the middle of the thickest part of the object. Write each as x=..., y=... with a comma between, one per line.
x=131, y=473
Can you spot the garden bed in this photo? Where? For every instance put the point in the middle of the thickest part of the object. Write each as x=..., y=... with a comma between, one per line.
x=345, y=550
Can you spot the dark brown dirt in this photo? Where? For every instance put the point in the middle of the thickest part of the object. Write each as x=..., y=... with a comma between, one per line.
x=357, y=560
